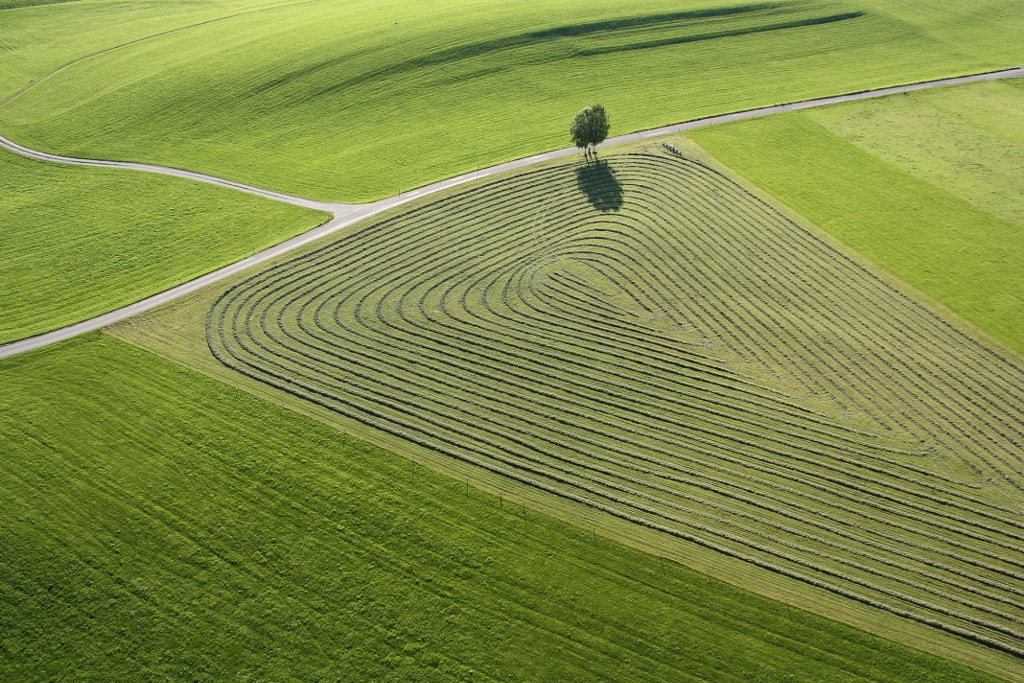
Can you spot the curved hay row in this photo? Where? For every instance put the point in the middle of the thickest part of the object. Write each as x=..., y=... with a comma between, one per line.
x=686, y=359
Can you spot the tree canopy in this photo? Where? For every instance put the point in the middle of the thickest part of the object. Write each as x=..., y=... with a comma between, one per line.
x=589, y=127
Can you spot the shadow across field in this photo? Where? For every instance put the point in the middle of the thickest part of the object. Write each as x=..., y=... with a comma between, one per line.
x=32, y=3
x=756, y=18
x=728, y=33
x=597, y=181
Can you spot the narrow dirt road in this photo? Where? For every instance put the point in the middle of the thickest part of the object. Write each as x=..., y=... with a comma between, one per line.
x=348, y=214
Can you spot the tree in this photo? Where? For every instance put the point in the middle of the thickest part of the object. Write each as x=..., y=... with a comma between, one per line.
x=589, y=128
x=600, y=125
x=579, y=128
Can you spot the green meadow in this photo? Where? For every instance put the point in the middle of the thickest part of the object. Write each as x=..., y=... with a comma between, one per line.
x=929, y=185
x=358, y=100
x=78, y=242
x=437, y=445
x=159, y=524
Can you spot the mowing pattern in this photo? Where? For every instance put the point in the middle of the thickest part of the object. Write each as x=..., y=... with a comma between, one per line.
x=646, y=338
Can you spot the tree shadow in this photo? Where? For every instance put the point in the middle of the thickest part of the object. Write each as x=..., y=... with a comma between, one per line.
x=597, y=180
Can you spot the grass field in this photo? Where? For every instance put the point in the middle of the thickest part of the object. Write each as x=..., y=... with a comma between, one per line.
x=357, y=100
x=77, y=242
x=160, y=524
x=644, y=347
x=928, y=185
x=662, y=354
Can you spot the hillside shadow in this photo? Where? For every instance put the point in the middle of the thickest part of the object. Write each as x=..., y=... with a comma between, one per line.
x=597, y=180
x=728, y=33
x=609, y=29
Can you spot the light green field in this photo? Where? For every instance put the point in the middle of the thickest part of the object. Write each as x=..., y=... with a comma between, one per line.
x=644, y=347
x=159, y=524
x=928, y=185
x=77, y=242
x=357, y=100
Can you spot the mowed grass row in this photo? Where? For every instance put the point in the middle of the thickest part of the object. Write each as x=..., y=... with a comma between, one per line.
x=160, y=524
x=78, y=242
x=358, y=100
x=929, y=185
x=644, y=337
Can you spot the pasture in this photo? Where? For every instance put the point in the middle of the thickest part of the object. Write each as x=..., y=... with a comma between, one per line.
x=78, y=242
x=649, y=349
x=161, y=524
x=645, y=347
x=929, y=185
x=357, y=100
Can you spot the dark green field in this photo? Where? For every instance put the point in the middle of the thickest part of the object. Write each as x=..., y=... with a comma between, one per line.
x=160, y=524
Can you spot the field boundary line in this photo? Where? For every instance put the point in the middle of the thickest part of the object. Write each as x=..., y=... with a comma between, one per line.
x=345, y=215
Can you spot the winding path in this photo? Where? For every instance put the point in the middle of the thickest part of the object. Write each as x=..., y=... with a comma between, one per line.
x=345, y=215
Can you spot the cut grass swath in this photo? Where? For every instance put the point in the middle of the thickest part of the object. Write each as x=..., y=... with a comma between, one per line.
x=928, y=185
x=646, y=338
